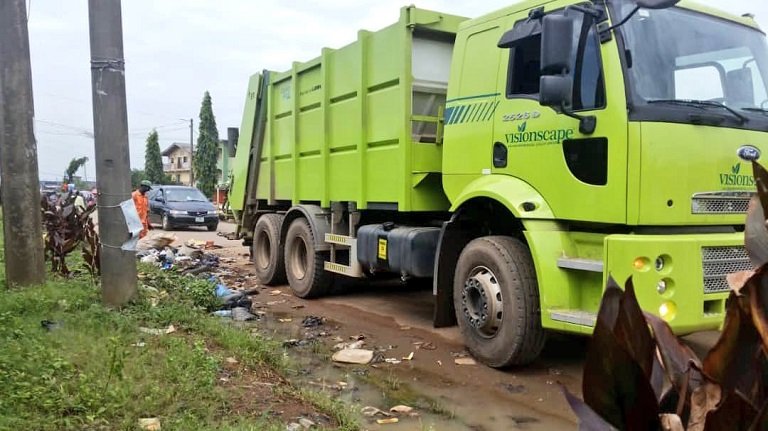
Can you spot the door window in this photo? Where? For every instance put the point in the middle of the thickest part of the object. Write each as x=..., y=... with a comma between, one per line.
x=524, y=71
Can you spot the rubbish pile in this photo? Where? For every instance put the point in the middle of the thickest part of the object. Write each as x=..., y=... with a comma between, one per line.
x=190, y=258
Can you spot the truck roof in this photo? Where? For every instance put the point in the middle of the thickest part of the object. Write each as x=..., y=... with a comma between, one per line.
x=530, y=4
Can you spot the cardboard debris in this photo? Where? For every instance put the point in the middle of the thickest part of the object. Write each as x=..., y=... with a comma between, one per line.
x=464, y=361
x=353, y=356
x=149, y=424
x=409, y=357
x=151, y=331
x=387, y=421
x=402, y=409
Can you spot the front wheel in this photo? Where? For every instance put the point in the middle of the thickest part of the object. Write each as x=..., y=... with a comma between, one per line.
x=496, y=296
x=167, y=223
x=212, y=227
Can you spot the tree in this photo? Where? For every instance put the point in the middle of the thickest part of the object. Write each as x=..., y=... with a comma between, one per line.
x=204, y=159
x=153, y=160
x=74, y=166
x=137, y=176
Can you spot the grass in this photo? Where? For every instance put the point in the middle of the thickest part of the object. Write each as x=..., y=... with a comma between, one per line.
x=91, y=374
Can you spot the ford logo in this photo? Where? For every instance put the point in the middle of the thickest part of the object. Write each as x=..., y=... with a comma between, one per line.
x=748, y=153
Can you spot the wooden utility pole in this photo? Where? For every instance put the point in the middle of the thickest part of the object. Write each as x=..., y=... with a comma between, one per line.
x=20, y=189
x=110, y=129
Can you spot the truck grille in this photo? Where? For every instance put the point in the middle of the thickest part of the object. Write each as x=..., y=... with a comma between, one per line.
x=718, y=262
x=720, y=203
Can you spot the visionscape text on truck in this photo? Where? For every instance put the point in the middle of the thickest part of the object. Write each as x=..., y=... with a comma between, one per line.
x=519, y=159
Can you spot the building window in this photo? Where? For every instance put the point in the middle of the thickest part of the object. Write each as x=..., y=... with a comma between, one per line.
x=185, y=159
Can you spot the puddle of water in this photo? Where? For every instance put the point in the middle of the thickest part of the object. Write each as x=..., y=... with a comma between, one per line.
x=356, y=385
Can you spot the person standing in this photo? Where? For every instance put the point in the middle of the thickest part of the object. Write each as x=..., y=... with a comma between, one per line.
x=79, y=201
x=141, y=202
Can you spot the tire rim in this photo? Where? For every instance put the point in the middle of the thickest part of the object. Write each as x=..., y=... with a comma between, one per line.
x=299, y=258
x=481, y=302
x=263, y=250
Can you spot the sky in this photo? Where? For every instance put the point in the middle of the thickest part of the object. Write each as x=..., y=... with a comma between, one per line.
x=175, y=50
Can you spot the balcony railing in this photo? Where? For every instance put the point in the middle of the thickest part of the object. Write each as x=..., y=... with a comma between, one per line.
x=175, y=167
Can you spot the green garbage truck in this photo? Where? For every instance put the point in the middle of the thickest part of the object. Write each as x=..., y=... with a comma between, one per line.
x=518, y=159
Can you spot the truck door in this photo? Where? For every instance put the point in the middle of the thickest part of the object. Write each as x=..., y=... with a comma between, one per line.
x=581, y=175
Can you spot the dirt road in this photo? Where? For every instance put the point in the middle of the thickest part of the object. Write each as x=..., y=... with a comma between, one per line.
x=397, y=319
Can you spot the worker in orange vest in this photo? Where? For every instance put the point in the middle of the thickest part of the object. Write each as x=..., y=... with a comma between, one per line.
x=141, y=202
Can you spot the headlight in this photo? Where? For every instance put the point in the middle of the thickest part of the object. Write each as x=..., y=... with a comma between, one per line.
x=177, y=212
x=212, y=212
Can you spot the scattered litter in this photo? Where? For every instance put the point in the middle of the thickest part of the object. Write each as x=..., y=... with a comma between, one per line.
x=284, y=320
x=306, y=423
x=371, y=411
x=353, y=345
x=155, y=241
x=271, y=303
x=139, y=344
x=293, y=426
x=150, y=258
x=353, y=356
x=357, y=337
x=424, y=345
x=149, y=424
x=387, y=421
x=297, y=306
x=223, y=313
x=439, y=363
x=241, y=314
x=405, y=328
x=275, y=293
x=402, y=409
x=231, y=360
x=151, y=331
x=464, y=361
x=555, y=371
x=50, y=325
x=312, y=322
x=514, y=389
x=409, y=357
x=337, y=339
x=393, y=361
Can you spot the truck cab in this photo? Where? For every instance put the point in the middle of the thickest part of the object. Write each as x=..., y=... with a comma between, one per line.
x=619, y=150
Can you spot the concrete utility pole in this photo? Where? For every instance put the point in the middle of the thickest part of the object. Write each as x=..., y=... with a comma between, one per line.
x=22, y=220
x=192, y=152
x=110, y=129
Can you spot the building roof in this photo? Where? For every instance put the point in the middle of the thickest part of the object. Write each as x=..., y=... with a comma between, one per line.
x=175, y=146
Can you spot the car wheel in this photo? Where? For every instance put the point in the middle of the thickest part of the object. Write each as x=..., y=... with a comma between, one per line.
x=304, y=266
x=167, y=223
x=496, y=296
x=212, y=227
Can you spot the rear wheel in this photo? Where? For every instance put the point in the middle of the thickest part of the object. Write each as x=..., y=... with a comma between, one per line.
x=303, y=264
x=496, y=296
x=267, y=251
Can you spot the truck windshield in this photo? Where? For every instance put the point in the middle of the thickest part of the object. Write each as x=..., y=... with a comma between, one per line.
x=681, y=55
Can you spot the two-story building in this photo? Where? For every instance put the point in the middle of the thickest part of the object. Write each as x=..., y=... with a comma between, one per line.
x=179, y=163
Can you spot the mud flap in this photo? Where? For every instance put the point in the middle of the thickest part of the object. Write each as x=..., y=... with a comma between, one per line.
x=450, y=244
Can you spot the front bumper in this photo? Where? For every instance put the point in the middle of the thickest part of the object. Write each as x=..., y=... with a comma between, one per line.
x=687, y=288
x=188, y=220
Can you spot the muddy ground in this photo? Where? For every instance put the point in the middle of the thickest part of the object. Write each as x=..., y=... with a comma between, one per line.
x=396, y=319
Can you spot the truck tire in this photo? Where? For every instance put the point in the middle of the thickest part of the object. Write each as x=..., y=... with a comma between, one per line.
x=496, y=296
x=267, y=251
x=303, y=264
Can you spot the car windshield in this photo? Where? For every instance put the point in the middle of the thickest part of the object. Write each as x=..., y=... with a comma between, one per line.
x=681, y=55
x=184, y=195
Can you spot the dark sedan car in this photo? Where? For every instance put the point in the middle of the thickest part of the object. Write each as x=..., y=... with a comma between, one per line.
x=177, y=206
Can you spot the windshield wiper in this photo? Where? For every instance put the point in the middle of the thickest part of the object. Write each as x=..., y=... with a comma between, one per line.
x=760, y=110
x=702, y=103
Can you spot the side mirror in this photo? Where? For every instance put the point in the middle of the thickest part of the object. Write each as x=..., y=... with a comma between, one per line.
x=556, y=91
x=656, y=4
x=556, y=44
